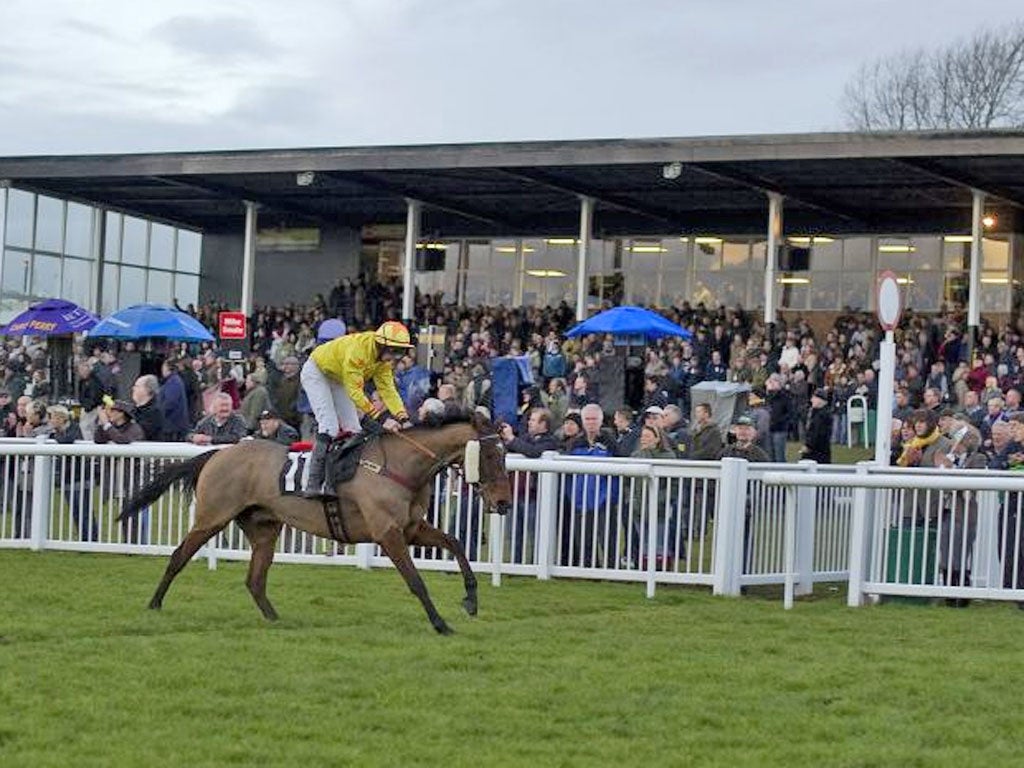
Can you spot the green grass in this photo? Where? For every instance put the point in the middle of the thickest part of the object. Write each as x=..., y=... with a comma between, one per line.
x=561, y=673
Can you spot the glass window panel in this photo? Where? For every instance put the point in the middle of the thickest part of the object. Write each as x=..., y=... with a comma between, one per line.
x=160, y=287
x=710, y=290
x=132, y=288
x=76, y=282
x=996, y=254
x=707, y=254
x=857, y=253
x=925, y=291
x=20, y=218
x=895, y=254
x=825, y=290
x=477, y=287
x=641, y=262
x=756, y=291
x=111, y=280
x=733, y=289
x=430, y=283
x=50, y=224
x=735, y=255
x=552, y=254
x=673, y=288
x=46, y=276
x=955, y=255
x=857, y=287
x=190, y=249
x=112, y=237
x=186, y=289
x=826, y=253
x=78, y=238
x=161, y=246
x=135, y=242
x=479, y=256
x=957, y=286
x=794, y=295
x=17, y=266
x=927, y=253
x=757, y=252
x=995, y=293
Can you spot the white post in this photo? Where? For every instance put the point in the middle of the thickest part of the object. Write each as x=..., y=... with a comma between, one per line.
x=789, y=545
x=771, y=256
x=413, y=210
x=364, y=555
x=974, y=286
x=497, y=541
x=652, y=531
x=99, y=247
x=860, y=541
x=886, y=385
x=730, y=512
x=806, y=523
x=517, y=281
x=249, y=257
x=586, y=225
x=42, y=487
x=4, y=186
x=547, y=514
x=211, y=551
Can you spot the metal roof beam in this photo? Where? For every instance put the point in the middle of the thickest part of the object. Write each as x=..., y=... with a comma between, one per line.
x=961, y=179
x=613, y=201
x=234, y=194
x=432, y=201
x=766, y=185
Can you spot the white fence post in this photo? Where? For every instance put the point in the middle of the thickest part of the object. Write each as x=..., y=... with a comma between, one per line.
x=861, y=535
x=730, y=527
x=806, y=520
x=42, y=490
x=547, y=513
x=364, y=555
x=496, y=540
x=652, y=530
x=988, y=570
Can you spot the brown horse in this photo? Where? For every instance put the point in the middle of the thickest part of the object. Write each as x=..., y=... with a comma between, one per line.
x=386, y=502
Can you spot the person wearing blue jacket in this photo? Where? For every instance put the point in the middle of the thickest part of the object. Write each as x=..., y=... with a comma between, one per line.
x=173, y=400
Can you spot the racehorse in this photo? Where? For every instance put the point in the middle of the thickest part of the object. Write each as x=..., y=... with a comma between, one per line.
x=385, y=502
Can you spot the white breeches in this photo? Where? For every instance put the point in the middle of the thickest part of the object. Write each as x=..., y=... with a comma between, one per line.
x=332, y=408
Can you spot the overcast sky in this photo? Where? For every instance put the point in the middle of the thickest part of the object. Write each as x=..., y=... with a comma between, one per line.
x=138, y=75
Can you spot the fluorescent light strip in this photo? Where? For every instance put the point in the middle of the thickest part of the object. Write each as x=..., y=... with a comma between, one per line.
x=708, y=240
x=561, y=241
x=648, y=249
x=545, y=273
x=896, y=249
x=958, y=238
x=795, y=280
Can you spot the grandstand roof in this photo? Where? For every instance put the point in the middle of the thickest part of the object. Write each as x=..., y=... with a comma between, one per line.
x=833, y=182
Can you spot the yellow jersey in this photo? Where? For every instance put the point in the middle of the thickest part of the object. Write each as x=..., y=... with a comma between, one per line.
x=352, y=361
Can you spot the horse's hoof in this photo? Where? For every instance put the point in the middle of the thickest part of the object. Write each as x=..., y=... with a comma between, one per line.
x=443, y=629
x=469, y=605
x=155, y=605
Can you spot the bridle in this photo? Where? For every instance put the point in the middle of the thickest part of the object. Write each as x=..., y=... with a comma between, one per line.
x=440, y=462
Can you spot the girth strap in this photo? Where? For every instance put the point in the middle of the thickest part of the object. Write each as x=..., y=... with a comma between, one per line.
x=335, y=520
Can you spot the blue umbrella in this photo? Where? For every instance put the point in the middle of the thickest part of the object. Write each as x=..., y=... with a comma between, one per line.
x=152, y=321
x=53, y=317
x=630, y=321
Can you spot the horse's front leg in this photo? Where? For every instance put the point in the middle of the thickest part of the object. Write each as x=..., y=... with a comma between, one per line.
x=426, y=535
x=393, y=543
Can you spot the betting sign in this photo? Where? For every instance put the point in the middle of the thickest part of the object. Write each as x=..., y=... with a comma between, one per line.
x=231, y=325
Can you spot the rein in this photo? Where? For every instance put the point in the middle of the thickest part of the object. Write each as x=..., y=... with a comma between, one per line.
x=440, y=462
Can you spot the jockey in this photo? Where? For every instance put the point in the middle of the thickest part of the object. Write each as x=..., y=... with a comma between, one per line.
x=333, y=378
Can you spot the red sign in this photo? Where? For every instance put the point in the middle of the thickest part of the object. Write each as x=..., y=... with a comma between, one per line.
x=231, y=325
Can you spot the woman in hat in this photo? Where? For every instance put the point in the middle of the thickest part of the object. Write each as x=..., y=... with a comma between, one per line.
x=818, y=443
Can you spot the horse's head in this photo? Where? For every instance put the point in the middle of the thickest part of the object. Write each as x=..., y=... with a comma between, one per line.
x=489, y=471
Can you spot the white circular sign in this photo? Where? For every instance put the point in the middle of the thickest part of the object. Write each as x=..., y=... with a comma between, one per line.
x=890, y=305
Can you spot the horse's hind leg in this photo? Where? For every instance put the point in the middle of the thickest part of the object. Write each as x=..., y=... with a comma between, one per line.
x=426, y=535
x=393, y=543
x=263, y=538
x=193, y=540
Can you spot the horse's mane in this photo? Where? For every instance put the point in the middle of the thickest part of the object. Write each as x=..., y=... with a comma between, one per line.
x=434, y=421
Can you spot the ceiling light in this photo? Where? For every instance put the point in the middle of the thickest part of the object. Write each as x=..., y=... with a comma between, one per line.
x=648, y=249
x=904, y=281
x=805, y=240
x=510, y=249
x=896, y=249
x=545, y=273
x=795, y=280
x=684, y=239
x=958, y=238
x=561, y=241
x=989, y=220
x=671, y=171
x=707, y=240
x=432, y=246
x=996, y=280
x=305, y=178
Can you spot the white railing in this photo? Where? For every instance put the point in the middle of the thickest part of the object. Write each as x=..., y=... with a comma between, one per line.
x=571, y=517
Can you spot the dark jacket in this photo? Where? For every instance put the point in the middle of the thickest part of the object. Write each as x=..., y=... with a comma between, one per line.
x=130, y=432
x=780, y=410
x=90, y=392
x=285, y=435
x=231, y=431
x=818, y=446
x=74, y=471
x=174, y=407
x=706, y=444
x=752, y=452
x=532, y=446
x=151, y=419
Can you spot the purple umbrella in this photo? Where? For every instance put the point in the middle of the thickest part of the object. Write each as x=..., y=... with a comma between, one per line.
x=53, y=317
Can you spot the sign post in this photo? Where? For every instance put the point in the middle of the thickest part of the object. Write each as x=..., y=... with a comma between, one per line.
x=889, y=307
x=233, y=332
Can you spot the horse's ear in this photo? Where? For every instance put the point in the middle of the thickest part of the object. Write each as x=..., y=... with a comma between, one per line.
x=478, y=420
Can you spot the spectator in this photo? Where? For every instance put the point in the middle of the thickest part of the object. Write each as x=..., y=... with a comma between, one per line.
x=959, y=513
x=269, y=426
x=745, y=445
x=572, y=429
x=285, y=392
x=222, y=426
x=538, y=437
x=256, y=400
x=817, y=446
x=707, y=440
x=74, y=480
x=780, y=410
x=430, y=410
x=115, y=424
x=147, y=411
x=627, y=432
x=653, y=444
x=173, y=399
x=673, y=429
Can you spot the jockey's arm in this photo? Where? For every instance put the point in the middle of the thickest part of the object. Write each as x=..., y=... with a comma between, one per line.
x=384, y=378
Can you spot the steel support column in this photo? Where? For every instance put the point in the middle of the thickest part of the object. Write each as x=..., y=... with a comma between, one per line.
x=977, y=254
x=772, y=256
x=249, y=257
x=586, y=226
x=412, y=235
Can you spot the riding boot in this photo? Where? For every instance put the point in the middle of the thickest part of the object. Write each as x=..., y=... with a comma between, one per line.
x=317, y=465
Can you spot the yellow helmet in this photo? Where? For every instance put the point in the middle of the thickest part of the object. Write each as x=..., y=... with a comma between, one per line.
x=393, y=334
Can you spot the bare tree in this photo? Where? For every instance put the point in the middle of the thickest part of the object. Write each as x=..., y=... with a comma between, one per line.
x=976, y=83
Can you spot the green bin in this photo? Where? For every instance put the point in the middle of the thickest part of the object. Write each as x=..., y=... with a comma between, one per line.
x=914, y=554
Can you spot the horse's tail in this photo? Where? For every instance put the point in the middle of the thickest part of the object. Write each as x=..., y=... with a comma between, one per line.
x=188, y=471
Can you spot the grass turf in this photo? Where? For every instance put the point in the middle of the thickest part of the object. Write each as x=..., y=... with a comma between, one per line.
x=559, y=673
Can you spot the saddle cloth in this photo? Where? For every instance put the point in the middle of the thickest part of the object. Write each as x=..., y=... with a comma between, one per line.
x=341, y=467
x=294, y=472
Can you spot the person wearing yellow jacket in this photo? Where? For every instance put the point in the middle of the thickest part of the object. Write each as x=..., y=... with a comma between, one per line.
x=334, y=378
